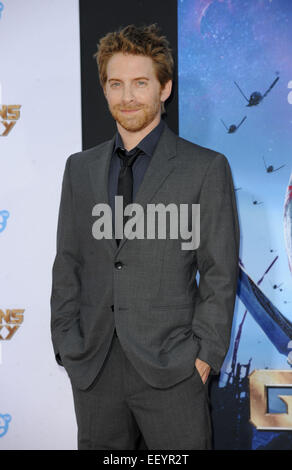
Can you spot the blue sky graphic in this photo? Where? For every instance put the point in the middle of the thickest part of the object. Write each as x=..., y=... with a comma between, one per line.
x=249, y=42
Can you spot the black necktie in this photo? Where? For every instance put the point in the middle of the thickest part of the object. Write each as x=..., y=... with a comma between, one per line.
x=125, y=182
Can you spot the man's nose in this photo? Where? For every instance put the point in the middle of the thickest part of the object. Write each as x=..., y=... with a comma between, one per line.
x=128, y=94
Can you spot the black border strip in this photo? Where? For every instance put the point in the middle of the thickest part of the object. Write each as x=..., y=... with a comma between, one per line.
x=95, y=22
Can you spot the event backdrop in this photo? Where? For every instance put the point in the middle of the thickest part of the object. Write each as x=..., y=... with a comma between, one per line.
x=40, y=125
x=235, y=73
x=235, y=96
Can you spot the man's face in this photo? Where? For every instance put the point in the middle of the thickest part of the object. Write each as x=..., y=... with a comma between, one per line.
x=133, y=91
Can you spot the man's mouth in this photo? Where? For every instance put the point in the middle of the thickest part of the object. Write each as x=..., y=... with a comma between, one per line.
x=129, y=110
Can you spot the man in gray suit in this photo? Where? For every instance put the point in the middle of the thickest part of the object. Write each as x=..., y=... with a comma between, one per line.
x=136, y=333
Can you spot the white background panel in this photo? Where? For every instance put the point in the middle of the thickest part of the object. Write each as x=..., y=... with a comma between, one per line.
x=40, y=70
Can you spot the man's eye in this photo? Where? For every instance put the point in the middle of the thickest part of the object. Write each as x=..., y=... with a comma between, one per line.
x=115, y=85
x=141, y=83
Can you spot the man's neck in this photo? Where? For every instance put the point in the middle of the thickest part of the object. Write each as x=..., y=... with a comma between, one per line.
x=131, y=139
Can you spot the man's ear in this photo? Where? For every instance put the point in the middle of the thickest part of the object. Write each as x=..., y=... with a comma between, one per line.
x=166, y=90
x=104, y=90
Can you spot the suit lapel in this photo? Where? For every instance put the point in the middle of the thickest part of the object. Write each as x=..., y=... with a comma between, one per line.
x=162, y=163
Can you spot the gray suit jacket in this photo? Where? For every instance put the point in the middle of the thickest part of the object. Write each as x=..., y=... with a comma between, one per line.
x=163, y=317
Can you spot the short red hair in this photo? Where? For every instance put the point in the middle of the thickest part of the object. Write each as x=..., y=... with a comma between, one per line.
x=143, y=40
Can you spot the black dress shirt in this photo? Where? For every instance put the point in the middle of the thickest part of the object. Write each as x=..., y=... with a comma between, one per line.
x=147, y=145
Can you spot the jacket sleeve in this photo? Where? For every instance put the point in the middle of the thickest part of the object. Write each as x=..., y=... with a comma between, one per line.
x=217, y=261
x=65, y=274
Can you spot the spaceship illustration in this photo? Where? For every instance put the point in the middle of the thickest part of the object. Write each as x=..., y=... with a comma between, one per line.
x=277, y=286
x=231, y=129
x=288, y=222
x=270, y=168
x=274, y=324
x=256, y=97
x=256, y=203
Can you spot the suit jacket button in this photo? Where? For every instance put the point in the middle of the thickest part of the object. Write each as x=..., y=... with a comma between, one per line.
x=112, y=307
x=118, y=265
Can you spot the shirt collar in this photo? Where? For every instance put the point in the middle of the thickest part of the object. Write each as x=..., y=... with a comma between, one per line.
x=148, y=144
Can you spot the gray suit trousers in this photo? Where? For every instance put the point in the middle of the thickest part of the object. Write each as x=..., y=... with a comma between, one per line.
x=120, y=411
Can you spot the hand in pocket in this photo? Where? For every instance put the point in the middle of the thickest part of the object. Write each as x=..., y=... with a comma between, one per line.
x=203, y=368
